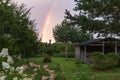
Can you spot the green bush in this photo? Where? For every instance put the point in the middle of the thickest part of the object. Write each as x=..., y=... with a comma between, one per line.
x=60, y=73
x=104, y=62
x=47, y=59
x=63, y=54
x=78, y=62
x=112, y=60
x=84, y=73
x=56, y=49
x=97, y=59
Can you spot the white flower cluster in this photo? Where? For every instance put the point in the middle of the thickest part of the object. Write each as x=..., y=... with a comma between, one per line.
x=4, y=54
x=20, y=70
x=5, y=65
x=2, y=76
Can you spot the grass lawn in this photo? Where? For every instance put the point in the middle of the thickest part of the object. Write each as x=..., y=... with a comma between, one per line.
x=69, y=68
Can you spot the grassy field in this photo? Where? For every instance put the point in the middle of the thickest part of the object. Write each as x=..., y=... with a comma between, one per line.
x=69, y=68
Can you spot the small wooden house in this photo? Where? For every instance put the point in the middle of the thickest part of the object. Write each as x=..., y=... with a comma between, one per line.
x=104, y=45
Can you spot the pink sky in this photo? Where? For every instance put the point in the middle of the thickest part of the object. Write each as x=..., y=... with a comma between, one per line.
x=47, y=14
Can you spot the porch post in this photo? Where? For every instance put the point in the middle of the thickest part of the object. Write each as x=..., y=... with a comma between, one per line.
x=85, y=53
x=77, y=52
x=103, y=47
x=115, y=47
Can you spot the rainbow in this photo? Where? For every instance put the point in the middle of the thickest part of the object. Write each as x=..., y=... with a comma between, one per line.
x=47, y=20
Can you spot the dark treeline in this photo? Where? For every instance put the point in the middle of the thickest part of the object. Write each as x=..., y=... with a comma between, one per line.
x=56, y=49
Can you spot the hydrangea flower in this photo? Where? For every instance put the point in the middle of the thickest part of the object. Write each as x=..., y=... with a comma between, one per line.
x=4, y=52
x=5, y=65
x=3, y=77
x=10, y=60
x=15, y=78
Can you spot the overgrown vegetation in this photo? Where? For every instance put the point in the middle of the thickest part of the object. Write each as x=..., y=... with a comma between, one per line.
x=17, y=31
x=56, y=49
x=47, y=59
x=105, y=62
x=65, y=32
x=69, y=68
x=84, y=73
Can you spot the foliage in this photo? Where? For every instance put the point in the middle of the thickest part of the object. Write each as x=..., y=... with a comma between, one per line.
x=62, y=54
x=47, y=59
x=113, y=59
x=16, y=57
x=78, y=62
x=34, y=71
x=67, y=33
x=84, y=73
x=17, y=31
x=98, y=60
x=28, y=72
x=1, y=60
x=56, y=49
x=96, y=16
x=60, y=73
x=46, y=48
x=69, y=68
x=59, y=47
x=105, y=62
x=45, y=72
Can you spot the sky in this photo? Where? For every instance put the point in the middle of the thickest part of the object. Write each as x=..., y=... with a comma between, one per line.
x=47, y=14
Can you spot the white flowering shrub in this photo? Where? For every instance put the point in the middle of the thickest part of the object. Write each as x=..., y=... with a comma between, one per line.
x=28, y=72
x=4, y=52
x=5, y=59
x=5, y=65
x=10, y=60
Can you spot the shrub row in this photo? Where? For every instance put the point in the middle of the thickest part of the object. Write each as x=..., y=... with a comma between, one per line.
x=104, y=62
x=63, y=54
x=84, y=73
x=56, y=49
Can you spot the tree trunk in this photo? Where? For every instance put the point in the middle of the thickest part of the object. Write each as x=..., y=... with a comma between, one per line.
x=66, y=51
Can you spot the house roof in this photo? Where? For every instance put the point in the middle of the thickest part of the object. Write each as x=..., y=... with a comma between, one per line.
x=97, y=40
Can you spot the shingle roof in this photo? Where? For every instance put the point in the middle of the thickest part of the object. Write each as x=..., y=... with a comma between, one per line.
x=96, y=40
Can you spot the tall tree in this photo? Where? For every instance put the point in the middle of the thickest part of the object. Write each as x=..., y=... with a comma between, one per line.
x=67, y=33
x=97, y=16
x=17, y=30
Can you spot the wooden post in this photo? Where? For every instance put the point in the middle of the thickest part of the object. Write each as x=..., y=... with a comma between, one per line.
x=85, y=53
x=82, y=55
x=77, y=52
x=115, y=47
x=103, y=47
